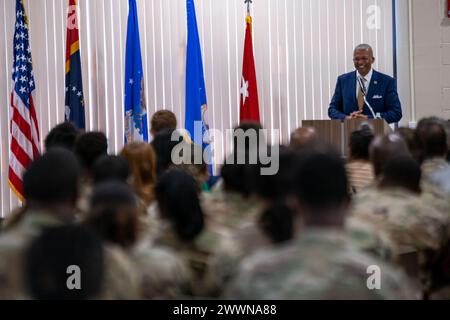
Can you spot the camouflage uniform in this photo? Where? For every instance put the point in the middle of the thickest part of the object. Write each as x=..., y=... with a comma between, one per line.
x=405, y=225
x=407, y=220
x=119, y=280
x=162, y=274
x=230, y=209
x=239, y=243
x=429, y=166
x=198, y=255
x=13, y=245
x=441, y=179
x=319, y=264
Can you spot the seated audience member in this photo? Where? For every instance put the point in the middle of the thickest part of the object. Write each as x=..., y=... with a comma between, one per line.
x=49, y=259
x=432, y=140
x=163, y=144
x=276, y=192
x=115, y=217
x=108, y=168
x=383, y=148
x=191, y=161
x=89, y=147
x=62, y=135
x=409, y=136
x=162, y=119
x=236, y=202
x=50, y=189
x=142, y=161
x=359, y=168
x=183, y=229
x=411, y=229
x=303, y=137
x=269, y=223
x=321, y=262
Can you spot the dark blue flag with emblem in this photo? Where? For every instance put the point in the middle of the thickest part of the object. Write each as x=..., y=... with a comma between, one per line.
x=74, y=103
x=196, y=119
x=136, y=128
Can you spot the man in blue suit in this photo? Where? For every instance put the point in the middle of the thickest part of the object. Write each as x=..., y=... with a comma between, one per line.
x=379, y=89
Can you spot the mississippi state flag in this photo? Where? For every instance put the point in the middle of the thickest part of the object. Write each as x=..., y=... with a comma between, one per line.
x=249, y=107
x=74, y=103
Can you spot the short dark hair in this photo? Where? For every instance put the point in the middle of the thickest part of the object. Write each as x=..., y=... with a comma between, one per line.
x=163, y=146
x=277, y=221
x=279, y=185
x=403, y=172
x=241, y=170
x=52, y=178
x=110, y=168
x=62, y=135
x=321, y=180
x=359, y=143
x=90, y=146
x=114, y=213
x=432, y=138
x=163, y=119
x=249, y=127
x=178, y=201
x=408, y=134
x=51, y=254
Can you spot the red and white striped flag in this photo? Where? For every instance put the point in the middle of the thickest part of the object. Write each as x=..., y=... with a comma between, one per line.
x=23, y=126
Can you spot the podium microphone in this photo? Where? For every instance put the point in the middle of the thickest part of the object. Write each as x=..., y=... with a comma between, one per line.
x=363, y=90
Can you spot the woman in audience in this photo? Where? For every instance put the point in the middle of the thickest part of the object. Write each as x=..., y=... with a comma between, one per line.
x=142, y=161
x=184, y=229
x=159, y=273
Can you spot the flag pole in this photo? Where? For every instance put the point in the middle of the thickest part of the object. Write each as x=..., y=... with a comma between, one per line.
x=248, y=2
x=248, y=19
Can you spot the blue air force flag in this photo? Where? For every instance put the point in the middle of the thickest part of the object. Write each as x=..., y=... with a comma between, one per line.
x=135, y=107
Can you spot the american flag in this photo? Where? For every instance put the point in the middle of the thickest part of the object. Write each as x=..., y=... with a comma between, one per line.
x=24, y=126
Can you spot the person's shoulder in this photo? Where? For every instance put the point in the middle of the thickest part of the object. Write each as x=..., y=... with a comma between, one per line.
x=346, y=76
x=382, y=76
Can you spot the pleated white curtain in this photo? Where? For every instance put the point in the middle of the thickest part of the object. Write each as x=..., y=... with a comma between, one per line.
x=300, y=47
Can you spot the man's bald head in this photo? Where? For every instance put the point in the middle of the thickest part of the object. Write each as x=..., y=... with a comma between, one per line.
x=384, y=148
x=304, y=136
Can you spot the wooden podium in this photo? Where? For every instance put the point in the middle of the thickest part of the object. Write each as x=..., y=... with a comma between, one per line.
x=337, y=132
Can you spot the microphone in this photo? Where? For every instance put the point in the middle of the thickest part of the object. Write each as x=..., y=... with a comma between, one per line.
x=363, y=90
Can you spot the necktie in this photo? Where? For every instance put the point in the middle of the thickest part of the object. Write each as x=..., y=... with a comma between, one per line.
x=361, y=95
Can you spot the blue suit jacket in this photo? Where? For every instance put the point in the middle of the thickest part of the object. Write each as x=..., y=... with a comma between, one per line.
x=382, y=96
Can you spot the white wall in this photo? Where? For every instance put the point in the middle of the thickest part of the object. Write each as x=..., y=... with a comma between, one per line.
x=431, y=47
x=300, y=46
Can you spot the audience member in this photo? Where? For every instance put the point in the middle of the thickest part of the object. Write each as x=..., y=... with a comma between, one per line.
x=62, y=135
x=50, y=188
x=142, y=161
x=108, y=168
x=359, y=168
x=65, y=263
x=321, y=263
x=162, y=119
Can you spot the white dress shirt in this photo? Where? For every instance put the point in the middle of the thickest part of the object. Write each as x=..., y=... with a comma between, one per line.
x=367, y=78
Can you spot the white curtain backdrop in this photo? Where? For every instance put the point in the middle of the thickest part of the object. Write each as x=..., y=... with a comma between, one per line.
x=300, y=47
